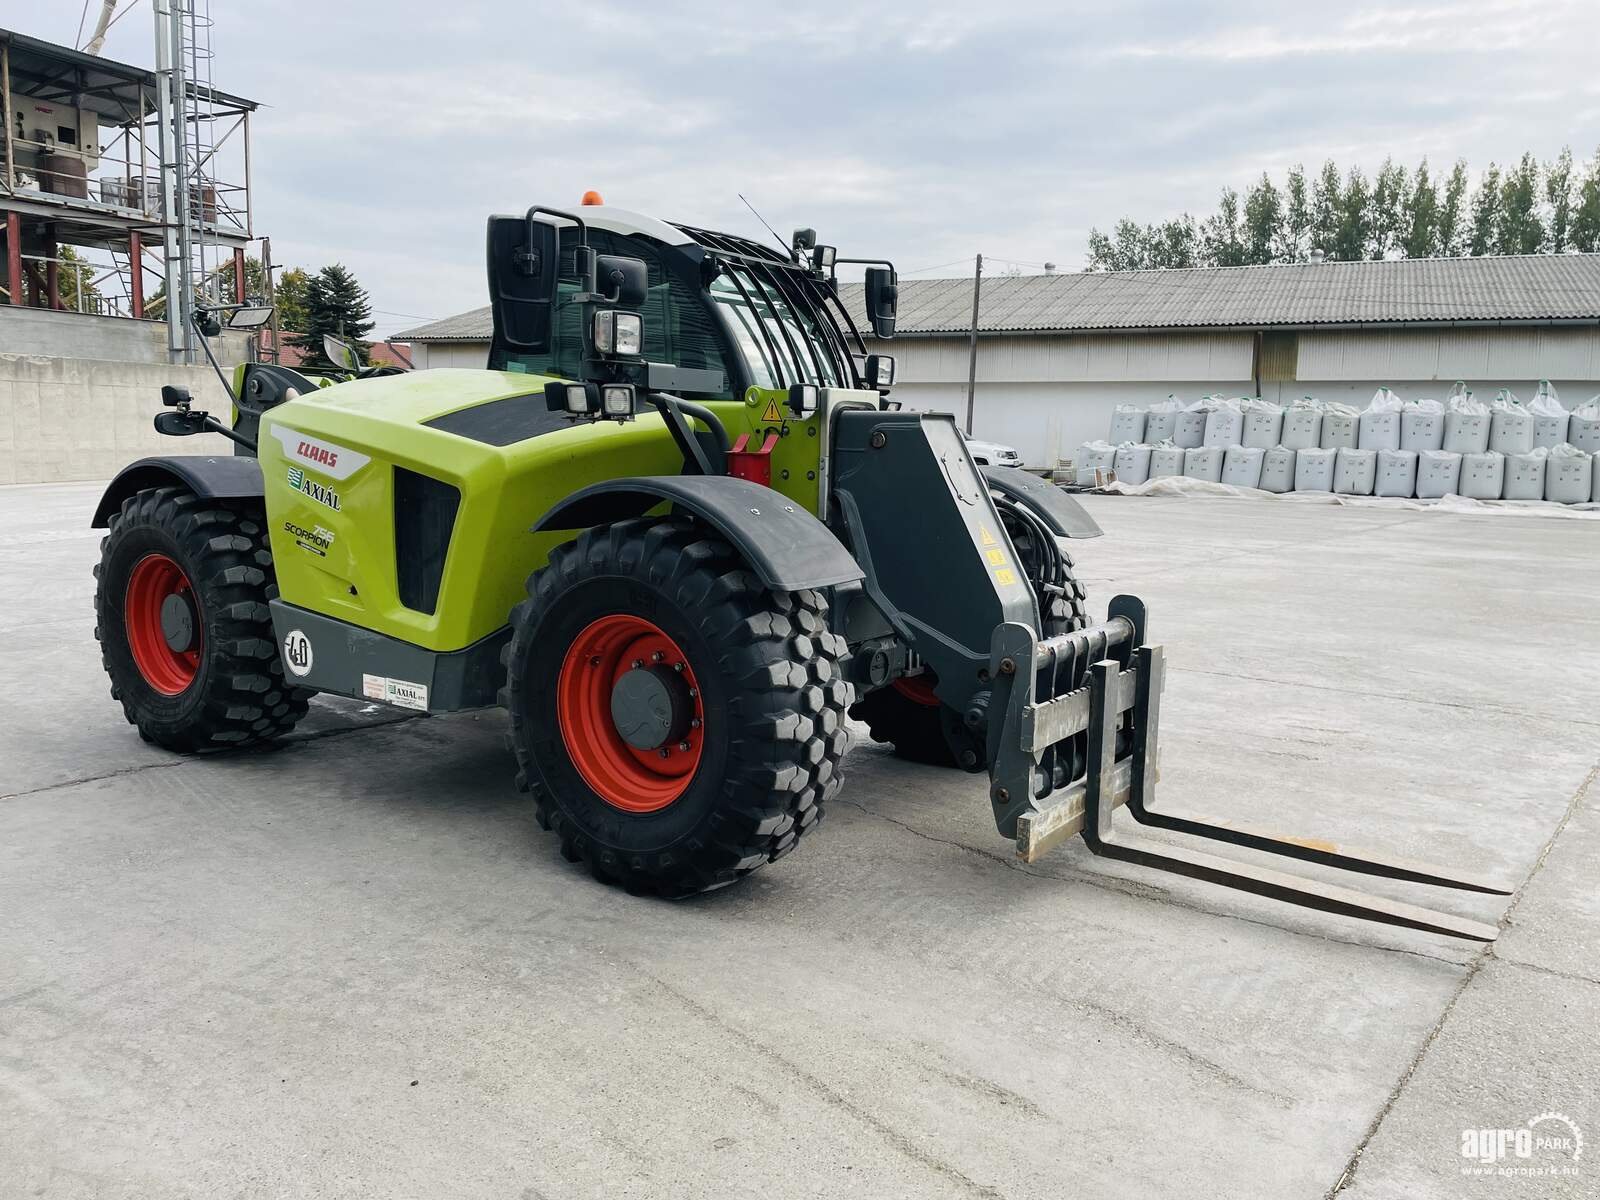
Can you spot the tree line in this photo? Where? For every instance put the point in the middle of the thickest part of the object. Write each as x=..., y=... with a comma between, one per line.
x=310, y=304
x=1525, y=208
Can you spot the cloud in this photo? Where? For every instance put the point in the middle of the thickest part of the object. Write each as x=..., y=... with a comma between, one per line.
x=922, y=131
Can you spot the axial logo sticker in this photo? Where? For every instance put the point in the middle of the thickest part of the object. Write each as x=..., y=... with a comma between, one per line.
x=306, y=486
x=334, y=461
x=315, y=540
x=399, y=692
x=297, y=653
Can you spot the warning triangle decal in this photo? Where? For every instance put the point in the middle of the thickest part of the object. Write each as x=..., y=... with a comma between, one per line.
x=772, y=413
x=988, y=538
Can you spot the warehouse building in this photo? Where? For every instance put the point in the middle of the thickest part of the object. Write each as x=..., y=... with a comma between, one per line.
x=1055, y=353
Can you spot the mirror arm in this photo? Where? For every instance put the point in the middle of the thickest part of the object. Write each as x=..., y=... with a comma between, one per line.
x=205, y=344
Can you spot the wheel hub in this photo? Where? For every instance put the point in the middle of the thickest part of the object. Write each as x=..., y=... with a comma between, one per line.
x=177, y=622
x=650, y=707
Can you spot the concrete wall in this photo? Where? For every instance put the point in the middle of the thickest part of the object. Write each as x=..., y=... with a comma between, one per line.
x=73, y=418
x=41, y=331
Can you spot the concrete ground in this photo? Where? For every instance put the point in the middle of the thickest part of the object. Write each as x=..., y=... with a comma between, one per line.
x=354, y=967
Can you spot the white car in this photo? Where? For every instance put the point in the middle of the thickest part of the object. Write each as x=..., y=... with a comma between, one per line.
x=992, y=453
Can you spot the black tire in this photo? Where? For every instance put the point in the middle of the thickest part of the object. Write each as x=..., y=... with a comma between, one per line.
x=770, y=684
x=933, y=734
x=237, y=695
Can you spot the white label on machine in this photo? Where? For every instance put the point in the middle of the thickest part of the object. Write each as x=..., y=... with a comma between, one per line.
x=399, y=692
x=297, y=653
x=334, y=461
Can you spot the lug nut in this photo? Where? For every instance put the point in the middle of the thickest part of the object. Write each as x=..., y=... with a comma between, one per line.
x=693, y=692
x=1008, y=666
x=694, y=722
x=684, y=746
x=637, y=663
x=595, y=661
x=677, y=666
x=665, y=753
x=657, y=656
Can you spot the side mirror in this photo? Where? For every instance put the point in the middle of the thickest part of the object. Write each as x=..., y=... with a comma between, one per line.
x=522, y=254
x=251, y=316
x=624, y=281
x=880, y=371
x=174, y=396
x=883, y=296
x=340, y=354
x=206, y=322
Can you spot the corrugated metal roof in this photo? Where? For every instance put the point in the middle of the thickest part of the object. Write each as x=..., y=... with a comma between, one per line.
x=1532, y=288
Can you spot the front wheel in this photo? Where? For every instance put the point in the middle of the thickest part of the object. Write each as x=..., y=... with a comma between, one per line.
x=677, y=723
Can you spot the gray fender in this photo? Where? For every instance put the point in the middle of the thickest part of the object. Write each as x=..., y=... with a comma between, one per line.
x=222, y=478
x=1061, y=514
x=785, y=545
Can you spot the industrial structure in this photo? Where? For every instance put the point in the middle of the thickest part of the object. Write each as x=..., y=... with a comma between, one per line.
x=147, y=171
x=1056, y=353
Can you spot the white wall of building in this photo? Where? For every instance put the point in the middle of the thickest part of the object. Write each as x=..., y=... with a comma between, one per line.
x=450, y=354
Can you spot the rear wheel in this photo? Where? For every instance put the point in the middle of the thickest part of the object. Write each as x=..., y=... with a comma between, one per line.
x=909, y=716
x=677, y=723
x=183, y=625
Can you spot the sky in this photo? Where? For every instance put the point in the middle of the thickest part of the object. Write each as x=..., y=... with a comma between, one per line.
x=921, y=132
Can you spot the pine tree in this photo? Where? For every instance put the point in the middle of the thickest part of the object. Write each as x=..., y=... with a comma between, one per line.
x=1296, y=217
x=1420, y=217
x=1353, y=238
x=1452, y=211
x=1519, y=229
x=336, y=304
x=1586, y=214
x=1263, y=221
x=1485, y=213
x=1389, y=195
x=1558, y=195
x=1327, y=203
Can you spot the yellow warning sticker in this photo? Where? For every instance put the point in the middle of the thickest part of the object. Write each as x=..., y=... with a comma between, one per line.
x=988, y=538
x=772, y=413
x=997, y=558
x=1005, y=575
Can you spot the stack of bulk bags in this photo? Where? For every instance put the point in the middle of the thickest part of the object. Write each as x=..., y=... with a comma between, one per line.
x=1166, y=459
x=1095, y=462
x=1277, y=470
x=1483, y=476
x=1302, y=425
x=1569, y=475
x=1549, y=417
x=1466, y=422
x=1132, y=462
x=1583, y=426
x=1241, y=466
x=1510, y=425
x=1313, y=469
x=1263, y=424
x=1380, y=423
x=1339, y=423
x=1397, y=473
x=1422, y=426
x=1203, y=462
x=1525, y=474
x=1161, y=422
x=1127, y=424
x=1355, y=471
x=1438, y=473
x=1190, y=428
x=1225, y=423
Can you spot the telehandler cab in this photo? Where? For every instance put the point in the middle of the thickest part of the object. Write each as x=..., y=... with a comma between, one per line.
x=680, y=532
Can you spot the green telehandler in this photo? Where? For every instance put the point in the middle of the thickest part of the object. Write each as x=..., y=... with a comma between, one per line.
x=681, y=532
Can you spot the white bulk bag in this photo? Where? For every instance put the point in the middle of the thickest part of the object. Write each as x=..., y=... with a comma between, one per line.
x=1132, y=463
x=1313, y=469
x=1380, y=423
x=1203, y=462
x=1583, y=427
x=1525, y=474
x=1225, y=424
x=1161, y=421
x=1241, y=466
x=1510, y=426
x=1422, y=425
x=1127, y=424
x=1438, y=473
x=1568, y=475
x=1549, y=417
x=1596, y=496
x=1355, y=471
x=1483, y=476
x=1190, y=429
x=1263, y=424
x=1302, y=425
x=1466, y=422
x=1339, y=426
x=1277, y=470
x=1397, y=474
x=1166, y=460
x=1095, y=463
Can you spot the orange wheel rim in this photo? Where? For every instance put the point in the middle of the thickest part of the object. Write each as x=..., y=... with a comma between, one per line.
x=155, y=582
x=626, y=776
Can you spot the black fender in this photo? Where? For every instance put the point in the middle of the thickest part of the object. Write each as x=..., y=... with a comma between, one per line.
x=1061, y=514
x=787, y=547
x=219, y=478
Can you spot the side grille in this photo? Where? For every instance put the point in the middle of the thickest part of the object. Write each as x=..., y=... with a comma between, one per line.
x=424, y=515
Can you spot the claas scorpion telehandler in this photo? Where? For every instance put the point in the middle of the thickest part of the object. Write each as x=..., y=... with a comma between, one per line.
x=680, y=532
